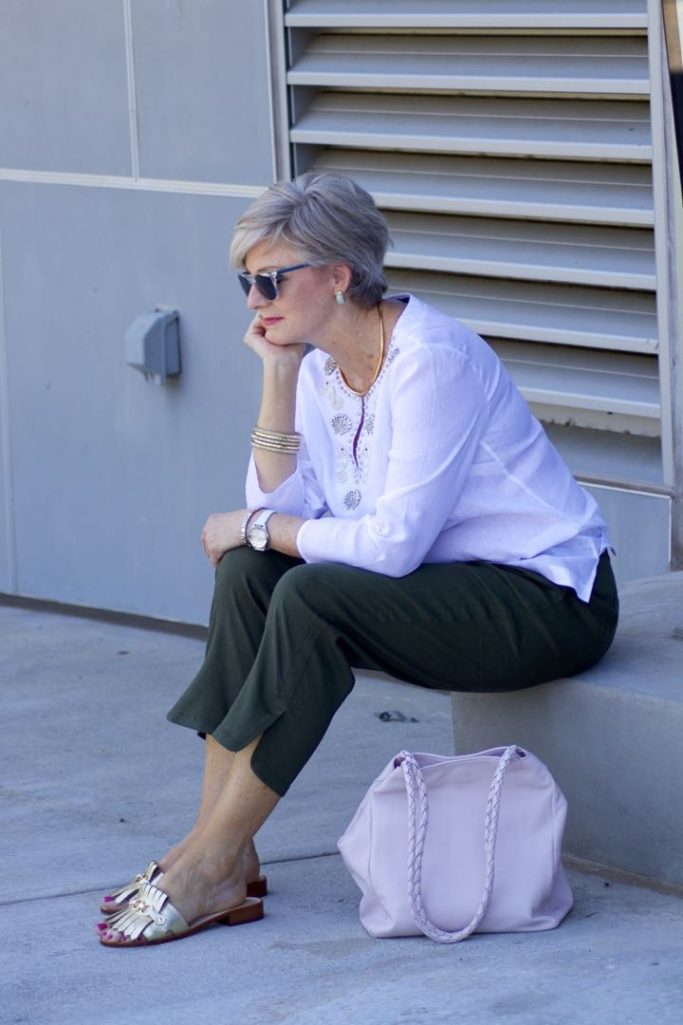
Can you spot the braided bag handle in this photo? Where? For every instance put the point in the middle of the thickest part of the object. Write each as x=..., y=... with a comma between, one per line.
x=417, y=831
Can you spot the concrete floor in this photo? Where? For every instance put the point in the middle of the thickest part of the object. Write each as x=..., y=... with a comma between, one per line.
x=95, y=782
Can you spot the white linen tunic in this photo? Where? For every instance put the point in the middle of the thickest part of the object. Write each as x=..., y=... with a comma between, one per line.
x=441, y=461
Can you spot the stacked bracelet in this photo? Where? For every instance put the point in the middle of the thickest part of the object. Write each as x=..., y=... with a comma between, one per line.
x=275, y=441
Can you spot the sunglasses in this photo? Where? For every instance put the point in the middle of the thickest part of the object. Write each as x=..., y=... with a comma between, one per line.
x=267, y=281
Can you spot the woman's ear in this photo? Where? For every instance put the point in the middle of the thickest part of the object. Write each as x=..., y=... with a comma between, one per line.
x=341, y=277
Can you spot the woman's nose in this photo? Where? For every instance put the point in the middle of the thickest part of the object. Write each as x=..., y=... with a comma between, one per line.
x=255, y=301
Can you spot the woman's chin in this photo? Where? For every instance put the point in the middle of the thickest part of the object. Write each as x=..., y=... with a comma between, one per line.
x=277, y=336
x=270, y=329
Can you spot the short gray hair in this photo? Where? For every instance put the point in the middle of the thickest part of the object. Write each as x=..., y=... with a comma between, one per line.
x=328, y=218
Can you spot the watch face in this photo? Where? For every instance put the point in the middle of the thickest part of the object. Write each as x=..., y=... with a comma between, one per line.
x=258, y=537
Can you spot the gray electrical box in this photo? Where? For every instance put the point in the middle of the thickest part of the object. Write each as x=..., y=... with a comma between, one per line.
x=153, y=344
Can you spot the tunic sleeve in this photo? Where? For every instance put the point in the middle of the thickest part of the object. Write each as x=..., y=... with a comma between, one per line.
x=298, y=495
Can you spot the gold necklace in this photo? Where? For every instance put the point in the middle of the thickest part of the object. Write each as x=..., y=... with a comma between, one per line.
x=379, y=361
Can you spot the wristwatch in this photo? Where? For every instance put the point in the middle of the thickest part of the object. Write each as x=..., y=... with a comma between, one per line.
x=258, y=537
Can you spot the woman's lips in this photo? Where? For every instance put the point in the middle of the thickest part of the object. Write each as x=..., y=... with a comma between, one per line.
x=269, y=321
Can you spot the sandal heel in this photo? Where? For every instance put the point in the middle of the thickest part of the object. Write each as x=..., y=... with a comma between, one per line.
x=250, y=911
x=258, y=887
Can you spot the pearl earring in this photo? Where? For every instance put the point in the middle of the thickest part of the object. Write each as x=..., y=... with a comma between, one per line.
x=340, y=297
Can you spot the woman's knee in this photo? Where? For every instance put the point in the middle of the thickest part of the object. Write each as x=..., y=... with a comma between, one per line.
x=325, y=589
x=243, y=571
x=234, y=568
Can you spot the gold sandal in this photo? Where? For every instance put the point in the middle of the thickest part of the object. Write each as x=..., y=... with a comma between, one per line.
x=151, y=918
x=119, y=899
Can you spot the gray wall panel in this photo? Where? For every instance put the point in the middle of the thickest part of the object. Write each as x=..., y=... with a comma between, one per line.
x=6, y=532
x=640, y=528
x=63, y=94
x=202, y=90
x=5, y=581
x=114, y=475
x=5, y=538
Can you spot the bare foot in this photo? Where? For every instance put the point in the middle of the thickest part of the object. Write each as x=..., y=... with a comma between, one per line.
x=201, y=885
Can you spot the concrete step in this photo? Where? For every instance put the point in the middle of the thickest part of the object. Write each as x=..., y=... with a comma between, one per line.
x=612, y=737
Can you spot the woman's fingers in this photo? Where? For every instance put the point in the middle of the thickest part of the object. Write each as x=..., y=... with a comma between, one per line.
x=280, y=352
x=222, y=531
x=255, y=331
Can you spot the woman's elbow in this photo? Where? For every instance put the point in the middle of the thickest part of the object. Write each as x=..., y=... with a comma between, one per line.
x=395, y=560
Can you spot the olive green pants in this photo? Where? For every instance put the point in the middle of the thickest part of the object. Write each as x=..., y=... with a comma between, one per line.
x=283, y=636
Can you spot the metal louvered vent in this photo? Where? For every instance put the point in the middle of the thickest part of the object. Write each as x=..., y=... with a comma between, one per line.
x=509, y=145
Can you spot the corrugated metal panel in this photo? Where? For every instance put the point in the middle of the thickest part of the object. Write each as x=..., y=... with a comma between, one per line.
x=509, y=143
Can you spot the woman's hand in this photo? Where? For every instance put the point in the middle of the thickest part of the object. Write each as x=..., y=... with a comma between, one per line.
x=222, y=531
x=272, y=352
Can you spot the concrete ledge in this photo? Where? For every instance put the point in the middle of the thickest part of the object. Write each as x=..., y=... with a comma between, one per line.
x=613, y=737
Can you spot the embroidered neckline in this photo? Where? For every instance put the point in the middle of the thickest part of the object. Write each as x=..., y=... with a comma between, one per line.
x=352, y=426
x=330, y=368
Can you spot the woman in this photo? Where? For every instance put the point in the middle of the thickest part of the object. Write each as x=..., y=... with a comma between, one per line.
x=405, y=512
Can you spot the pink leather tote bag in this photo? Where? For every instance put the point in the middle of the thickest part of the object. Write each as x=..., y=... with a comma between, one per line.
x=448, y=846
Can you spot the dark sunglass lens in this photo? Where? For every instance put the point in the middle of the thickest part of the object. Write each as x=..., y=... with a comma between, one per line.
x=245, y=282
x=266, y=286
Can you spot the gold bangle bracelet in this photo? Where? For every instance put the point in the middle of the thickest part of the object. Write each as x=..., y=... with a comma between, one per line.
x=274, y=448
x=289, y=437
x=287, y=442
x=275, y=441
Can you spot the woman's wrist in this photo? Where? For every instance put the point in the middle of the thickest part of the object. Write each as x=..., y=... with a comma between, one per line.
x=282, y=531
x=282, y=368
x=249, y=515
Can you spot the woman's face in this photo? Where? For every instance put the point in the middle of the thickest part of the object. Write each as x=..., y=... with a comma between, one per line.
x=305, y=297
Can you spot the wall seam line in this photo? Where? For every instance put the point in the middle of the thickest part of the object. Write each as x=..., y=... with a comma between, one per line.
x=104, y=181
x=6, y=451
x=133, y=123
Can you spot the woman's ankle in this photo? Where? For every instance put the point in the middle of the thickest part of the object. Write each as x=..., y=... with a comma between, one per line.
x=250, y=862
x=202, y=883
x=171, y=857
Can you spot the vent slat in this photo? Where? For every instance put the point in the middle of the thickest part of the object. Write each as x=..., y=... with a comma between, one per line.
x=606, y=257
x=562, y=315
x=584, y=379
x=612, y=66
x=537, y=189
x=574, y=130
x=529, y=15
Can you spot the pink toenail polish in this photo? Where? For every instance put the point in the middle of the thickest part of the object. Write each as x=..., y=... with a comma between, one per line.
x=107, y=899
